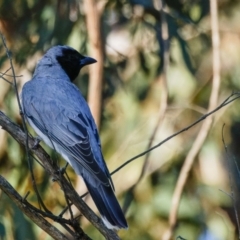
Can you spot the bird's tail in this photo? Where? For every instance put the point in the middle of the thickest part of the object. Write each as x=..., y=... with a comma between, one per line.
x=108, y=206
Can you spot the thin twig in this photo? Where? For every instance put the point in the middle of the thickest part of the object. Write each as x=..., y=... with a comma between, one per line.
x=227, y=194
x=9, y=55
x=163, y=105
x=163, y=81
x=188, y=163
x=14, y=83
x=19, y=136
x=66, y=198
x=227, y=101
x=4, y=74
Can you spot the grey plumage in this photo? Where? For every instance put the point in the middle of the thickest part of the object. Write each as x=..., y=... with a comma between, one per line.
x=59, y=114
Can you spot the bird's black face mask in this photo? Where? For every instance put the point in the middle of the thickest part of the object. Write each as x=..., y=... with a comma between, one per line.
x=72, y=61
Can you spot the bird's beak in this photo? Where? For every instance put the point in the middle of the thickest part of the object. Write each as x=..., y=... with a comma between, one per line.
x=86, y=61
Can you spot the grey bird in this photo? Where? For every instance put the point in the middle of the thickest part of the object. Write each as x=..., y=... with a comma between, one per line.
x=57, y=111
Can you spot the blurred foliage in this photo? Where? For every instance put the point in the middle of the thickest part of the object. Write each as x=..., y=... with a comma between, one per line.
x=131, y=99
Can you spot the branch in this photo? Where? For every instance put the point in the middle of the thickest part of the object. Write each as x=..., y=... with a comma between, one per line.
x=188, y=163
x=28, y=142
x=93, y=21
x=15, y=131
x=27, y=209
x=14, y=83
x=51, y=168
x=234, y=96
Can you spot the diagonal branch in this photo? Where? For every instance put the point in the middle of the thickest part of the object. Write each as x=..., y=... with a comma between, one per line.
x=234, y=96
x=14, y=83
x=27, y=141
x=27, y=209
x=204, y=130
x=51, y=168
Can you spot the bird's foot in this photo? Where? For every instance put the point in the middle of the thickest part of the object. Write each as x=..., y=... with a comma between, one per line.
x=37, y=140
x=62, y=170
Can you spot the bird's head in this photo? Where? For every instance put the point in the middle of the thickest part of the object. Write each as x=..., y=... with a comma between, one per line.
x=70, y=60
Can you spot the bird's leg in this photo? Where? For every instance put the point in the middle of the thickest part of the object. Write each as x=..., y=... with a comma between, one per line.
x=62, y=170
x=37, y=140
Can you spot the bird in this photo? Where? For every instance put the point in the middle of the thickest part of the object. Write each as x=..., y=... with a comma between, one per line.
x=55, y=108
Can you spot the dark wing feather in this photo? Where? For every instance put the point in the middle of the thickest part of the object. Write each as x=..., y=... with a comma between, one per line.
x=73, y=131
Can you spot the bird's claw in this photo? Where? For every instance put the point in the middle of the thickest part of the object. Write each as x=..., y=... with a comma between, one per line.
x=62, y=170
x=37, y=140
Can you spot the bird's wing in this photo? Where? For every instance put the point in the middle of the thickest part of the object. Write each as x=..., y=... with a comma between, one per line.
x=71, y=128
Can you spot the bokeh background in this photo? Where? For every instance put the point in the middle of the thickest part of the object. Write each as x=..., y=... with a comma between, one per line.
x=132, y=98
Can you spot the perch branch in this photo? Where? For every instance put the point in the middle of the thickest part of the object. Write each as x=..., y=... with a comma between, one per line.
x=51, y=168
x=26, y=208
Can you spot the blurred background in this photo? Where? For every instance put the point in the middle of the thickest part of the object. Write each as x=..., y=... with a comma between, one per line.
x=150, y=87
